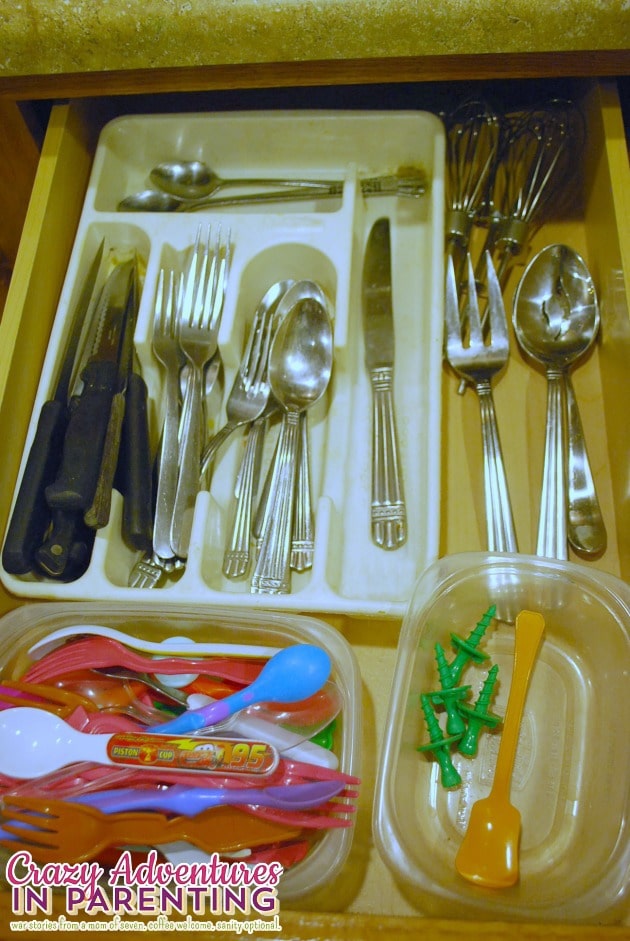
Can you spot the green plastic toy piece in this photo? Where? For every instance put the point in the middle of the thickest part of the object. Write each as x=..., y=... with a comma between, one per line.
x=451, y=699
x=467, y=648
x=325, y=737
x=440, y=745
x=478, y=715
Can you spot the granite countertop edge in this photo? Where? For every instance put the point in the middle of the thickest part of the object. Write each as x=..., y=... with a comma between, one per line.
x=47, y=37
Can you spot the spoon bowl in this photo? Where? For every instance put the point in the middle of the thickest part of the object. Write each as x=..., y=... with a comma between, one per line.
x=489, y=852
x=293, y=674
x=556, y=316
x=556, y=319
x=149, y=201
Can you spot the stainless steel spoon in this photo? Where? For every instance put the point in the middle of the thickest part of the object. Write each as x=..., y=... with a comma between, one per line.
x=192, y=179
x=158, y=201
x=556, y=319
x=300, y=366
x=408, y=182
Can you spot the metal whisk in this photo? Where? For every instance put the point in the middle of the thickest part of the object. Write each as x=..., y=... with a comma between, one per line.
x=536, y=164
x=472, y=147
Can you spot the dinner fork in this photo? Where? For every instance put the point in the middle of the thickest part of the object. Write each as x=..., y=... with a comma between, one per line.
x=250, y=390
x=150, y=569
x=478, y=362
x=166, y=349
x=199, y=318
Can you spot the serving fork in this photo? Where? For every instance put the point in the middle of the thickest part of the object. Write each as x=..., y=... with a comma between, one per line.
x=478, y=362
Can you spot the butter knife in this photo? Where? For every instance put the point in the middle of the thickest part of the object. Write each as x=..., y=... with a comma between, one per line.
x=388, y=513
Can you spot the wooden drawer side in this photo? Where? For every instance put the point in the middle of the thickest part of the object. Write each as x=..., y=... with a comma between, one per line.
x=38, y=275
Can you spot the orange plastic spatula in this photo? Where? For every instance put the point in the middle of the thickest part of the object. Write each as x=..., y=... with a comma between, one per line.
x=488, y=854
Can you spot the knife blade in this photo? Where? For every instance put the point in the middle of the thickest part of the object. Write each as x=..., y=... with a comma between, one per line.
x=388, y=510
x=97, y=515
x=31, y=514
x=82, y=455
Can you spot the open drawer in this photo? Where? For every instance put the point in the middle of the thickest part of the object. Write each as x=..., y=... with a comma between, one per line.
x=598, y=228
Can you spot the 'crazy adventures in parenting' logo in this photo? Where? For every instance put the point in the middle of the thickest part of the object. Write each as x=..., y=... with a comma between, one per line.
x=151, y=888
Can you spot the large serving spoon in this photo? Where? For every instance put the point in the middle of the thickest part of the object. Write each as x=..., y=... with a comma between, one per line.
x=556, y=319
x=489, y=853
x=294, y=673
x=193, y=179
x=300, y=366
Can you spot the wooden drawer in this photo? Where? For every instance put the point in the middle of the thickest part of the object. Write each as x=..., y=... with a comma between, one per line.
x=366, y=901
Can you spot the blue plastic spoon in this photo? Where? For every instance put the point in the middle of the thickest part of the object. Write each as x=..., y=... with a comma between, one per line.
x=292, y=674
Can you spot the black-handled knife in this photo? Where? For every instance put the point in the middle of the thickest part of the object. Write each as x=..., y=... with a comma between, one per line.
x=90, y=411
x=135, y=467
x=31, y=514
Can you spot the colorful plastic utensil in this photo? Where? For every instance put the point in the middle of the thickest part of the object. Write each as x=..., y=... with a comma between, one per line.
x=189, y=801
x=34, y=742
x=294, y=673
x=107, y=694
x=94, y=652
x=178, y=646
x=61, y=702
x=57, y=830
x=489, y=853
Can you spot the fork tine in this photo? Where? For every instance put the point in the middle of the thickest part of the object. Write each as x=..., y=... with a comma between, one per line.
x=222, y=256
x=451, y=306
x=159, y=304
x=496, y=307
x=263, y=362
x=190, y=283
x=472, y=307
x=28, y=838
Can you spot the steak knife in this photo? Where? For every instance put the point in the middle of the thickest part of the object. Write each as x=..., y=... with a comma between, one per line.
x=31, y=513
x=102, y=379
x=388, y=512
x=72, y=492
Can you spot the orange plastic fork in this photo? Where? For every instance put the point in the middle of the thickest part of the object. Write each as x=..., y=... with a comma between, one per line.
x=61, y=702
x=53, y=830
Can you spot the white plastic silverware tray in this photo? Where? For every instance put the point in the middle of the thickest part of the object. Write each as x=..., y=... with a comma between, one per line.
x=323, y=242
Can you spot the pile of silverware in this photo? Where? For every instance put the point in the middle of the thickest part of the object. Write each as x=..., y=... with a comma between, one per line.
x=285, y=368
x=506, y=174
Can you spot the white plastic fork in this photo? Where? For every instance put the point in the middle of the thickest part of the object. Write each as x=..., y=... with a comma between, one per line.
x=478, y=362
x=199, y=318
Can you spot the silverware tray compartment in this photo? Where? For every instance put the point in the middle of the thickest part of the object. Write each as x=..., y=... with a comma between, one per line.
x=322, y=241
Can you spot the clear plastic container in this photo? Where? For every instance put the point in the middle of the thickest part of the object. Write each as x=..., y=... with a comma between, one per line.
x=571, y=779
x=25, y=626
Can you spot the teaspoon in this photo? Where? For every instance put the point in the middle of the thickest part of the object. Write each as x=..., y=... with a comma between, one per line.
x=192, y=179
x=556, y=319
x=300, y=366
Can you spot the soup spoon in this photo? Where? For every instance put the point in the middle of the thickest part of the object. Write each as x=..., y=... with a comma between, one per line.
x=192, y=179
x=556, y=319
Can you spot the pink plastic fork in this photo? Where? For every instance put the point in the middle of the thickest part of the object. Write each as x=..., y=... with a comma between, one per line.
x=95, y=652
x=85, y=777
